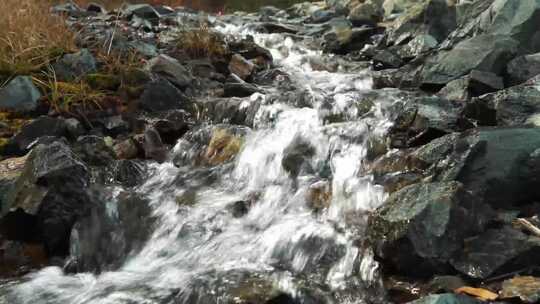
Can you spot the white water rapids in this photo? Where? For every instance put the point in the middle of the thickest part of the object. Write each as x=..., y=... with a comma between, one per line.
x=193, y=249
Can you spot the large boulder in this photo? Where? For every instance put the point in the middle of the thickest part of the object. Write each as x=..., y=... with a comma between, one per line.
x=51, y=190
x=515, y=106
x=499, y=166
x=428, y=17
x=420, y=227
x=19, y=95
x=523, y=68
x=161, y=95
x=488, y=53
x=171, y=69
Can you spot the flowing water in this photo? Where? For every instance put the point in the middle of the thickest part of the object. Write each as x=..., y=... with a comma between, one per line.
x=200, y=253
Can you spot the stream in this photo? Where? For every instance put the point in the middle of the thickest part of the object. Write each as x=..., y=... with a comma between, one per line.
x=281, y=249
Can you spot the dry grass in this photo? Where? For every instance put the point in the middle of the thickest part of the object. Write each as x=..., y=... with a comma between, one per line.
x=31, y=37
x=201, y=43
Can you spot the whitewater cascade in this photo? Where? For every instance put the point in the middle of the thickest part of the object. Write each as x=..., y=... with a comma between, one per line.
x=197, y=253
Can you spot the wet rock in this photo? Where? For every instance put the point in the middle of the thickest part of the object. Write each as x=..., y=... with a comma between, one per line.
x=111, y=125
x=323, y=15
x=527, y=289
x=172, y=125
x=42, y=126
x=447, y=298
x=236, y=87
x=523, y=68
x=248, y=49
x=417, y=46
x=488, y=53
x=339, y=35
x=126, y=149
x=129, y=173
x=17, y=258
x=209, y=145
x=497, y=251
x=368, y=12
x=170, y=69
x=319, y=195
x=426, y=118
x=385, y=59
x=74, y=128
x=160, y=95
x=274, y=28
x=51, y=191
x=19, y=95
x=456, y=90
x=153, y=146
x=239, y=209
x=93, y=150
x=427, y=222
x=10, y=170
x=497, y=165
x=74, y=66
x=297, y=155
x=484, y=82
x=519, y=105
x=241, y=67
x=432, y=17
x=96, y=8
x=238, y=111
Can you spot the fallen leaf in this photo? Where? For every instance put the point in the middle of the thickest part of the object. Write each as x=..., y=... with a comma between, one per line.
x=480, y=293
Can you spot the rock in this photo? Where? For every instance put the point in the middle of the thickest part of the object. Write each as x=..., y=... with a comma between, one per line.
x=74, y=66
x=484, y=82
x=153, y=146
x=296, y=156
x=129, y=173
x=423, y=119
x=96, y=8
x=239, y=209
x=274, y=28
x=209, y=145
x=488, y=53
x=74, y=128
x=19, y=95
x=519, y=105
x=385, y=59
x=497, y=165
x=447, y=298
x=50, y=194
x=431, y=17
x=323, y=15
x=241, y=67
x=339, y=35
x=366, y=12
x=160, y=95
x=93, y=151
x=238, y=111
x=236, y=87
x=111, y=125
x=10, y=170
x=420, y=227
x=170, y=69
x=103, y=81
x=417, y=46
x=523, y=68
x=17, y=258
x=527, y=289
x=446, y=284
x=126, y=149
x=497, y=251
x=319, y=195
x=248, y=49
x=143, y=11
x=172, y=125
x=475, y=84
x=42, y=126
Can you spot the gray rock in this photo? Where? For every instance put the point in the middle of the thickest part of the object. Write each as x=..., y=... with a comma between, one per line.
x=93, y=151
x=519, y=105
x=368, y=12
x=144, y=11
x=481, y=82
x=75, y=66
x=171, y=69
x=420, y=227
x=153, y=146
x=417, y=46
x=499, y=166
x=52, y=191
x=497, y=250
x=386, y=59
x=19, y=95
x=297, y=155
x=488, y=53
x=523, y=68
x=339, y=35
x=42, y=126
x=431, y=17
x=236, y=87
x=160, y=95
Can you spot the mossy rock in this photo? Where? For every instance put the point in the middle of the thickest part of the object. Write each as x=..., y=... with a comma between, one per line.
x=222, y=147
x=103, y=82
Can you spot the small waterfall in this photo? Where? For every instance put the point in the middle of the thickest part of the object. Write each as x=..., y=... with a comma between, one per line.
x=199, y=252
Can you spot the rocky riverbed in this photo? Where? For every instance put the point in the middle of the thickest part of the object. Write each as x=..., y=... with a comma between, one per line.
x=333, y=152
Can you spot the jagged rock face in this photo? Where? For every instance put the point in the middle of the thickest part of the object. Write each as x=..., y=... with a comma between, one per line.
x=51, y=191
x=516, y=106
x=488, y=53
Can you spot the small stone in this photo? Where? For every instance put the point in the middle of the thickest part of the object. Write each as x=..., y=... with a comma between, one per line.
x=20, y=94
x=241, y=67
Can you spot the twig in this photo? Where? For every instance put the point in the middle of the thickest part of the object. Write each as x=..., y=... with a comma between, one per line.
x=527, y=225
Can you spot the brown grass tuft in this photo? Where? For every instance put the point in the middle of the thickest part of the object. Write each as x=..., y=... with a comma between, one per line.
x=31, y=37
x=201, y=43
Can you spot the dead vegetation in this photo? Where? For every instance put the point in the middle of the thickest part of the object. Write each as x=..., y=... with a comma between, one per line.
x=200, y=42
